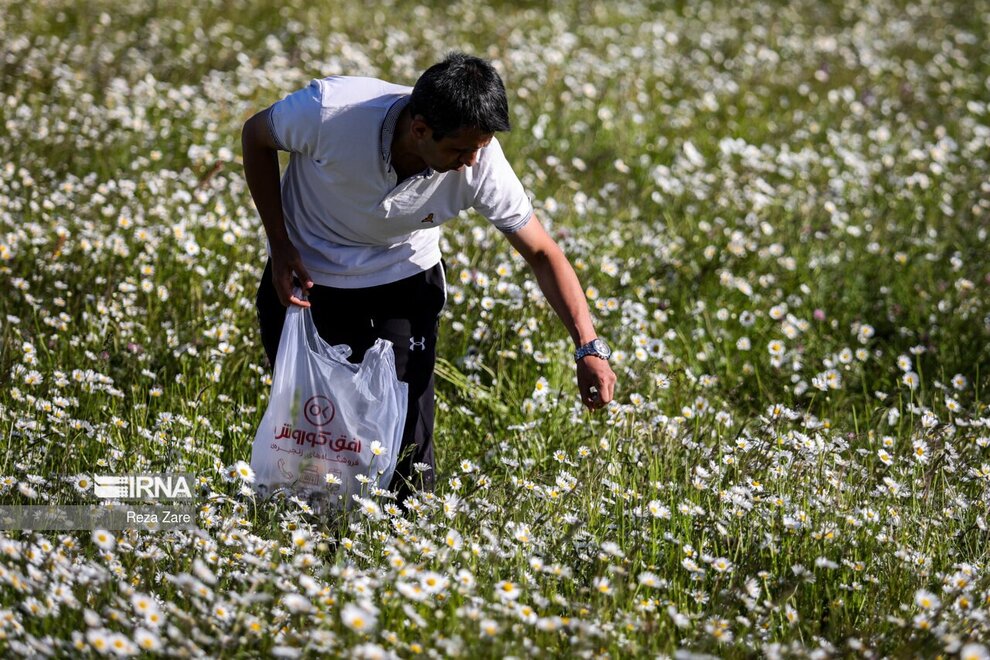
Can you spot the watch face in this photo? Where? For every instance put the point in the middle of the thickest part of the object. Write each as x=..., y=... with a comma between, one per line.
x=601, y=348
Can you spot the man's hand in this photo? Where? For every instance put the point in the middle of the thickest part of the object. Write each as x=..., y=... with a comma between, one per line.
x=596, y=382
x=287, y=265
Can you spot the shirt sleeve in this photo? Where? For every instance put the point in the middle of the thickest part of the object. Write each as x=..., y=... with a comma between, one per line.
x=500, y=196
x=295, y=121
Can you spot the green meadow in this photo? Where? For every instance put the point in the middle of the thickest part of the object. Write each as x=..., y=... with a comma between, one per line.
x=780, y=213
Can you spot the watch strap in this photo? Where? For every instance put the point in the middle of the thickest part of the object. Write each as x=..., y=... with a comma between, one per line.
x=591, y=348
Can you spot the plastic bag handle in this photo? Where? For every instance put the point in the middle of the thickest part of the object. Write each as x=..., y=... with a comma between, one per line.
x=316, y=345
x=377, y=369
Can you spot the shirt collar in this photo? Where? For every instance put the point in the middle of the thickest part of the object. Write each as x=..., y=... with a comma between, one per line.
x=388, y=126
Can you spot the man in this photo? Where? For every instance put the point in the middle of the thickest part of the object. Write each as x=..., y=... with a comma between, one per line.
x=375, y=168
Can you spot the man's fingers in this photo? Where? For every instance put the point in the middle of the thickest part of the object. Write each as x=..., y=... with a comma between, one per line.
x=304, y=280
x=288, y=298
x=289, y=295
x=593, y=399
x=301, y=302
x=596, y=385
x=288, y=274
x=286, y=282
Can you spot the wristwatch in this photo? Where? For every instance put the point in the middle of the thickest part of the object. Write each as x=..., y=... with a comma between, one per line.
x=596, y=347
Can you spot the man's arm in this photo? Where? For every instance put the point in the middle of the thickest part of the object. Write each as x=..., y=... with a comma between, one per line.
x=563, y=291
x=260, y=154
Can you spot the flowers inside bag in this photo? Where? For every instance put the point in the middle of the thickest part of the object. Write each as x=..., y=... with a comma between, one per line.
x=332, y=429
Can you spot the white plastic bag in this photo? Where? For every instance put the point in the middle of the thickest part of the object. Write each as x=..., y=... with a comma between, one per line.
x=325, y=416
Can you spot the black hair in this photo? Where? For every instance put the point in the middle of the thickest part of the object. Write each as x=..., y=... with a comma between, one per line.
x=462, y=91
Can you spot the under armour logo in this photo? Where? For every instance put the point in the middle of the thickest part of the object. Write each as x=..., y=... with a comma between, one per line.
x=428, y=218
x=414, y=345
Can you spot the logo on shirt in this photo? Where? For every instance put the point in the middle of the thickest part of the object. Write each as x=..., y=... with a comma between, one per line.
x=428, y=218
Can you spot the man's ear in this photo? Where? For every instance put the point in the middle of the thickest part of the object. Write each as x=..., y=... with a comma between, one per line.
x=419, y=128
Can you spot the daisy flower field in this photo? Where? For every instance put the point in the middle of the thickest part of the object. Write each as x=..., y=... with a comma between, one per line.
x=780, y=214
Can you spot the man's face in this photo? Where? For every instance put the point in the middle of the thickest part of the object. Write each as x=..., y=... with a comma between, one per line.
x=455, y=151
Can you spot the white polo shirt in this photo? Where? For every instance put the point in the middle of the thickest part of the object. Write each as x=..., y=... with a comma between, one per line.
x=353, y=226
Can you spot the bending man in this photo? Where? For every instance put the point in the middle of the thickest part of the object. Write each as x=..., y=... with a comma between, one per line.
x=375, y=169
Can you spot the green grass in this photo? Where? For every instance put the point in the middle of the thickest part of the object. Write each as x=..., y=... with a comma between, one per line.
x=718, y=173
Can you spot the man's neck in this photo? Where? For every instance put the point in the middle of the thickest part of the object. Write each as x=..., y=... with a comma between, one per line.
x=405, y=160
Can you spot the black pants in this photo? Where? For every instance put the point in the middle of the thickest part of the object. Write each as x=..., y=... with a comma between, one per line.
x=407, y=313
